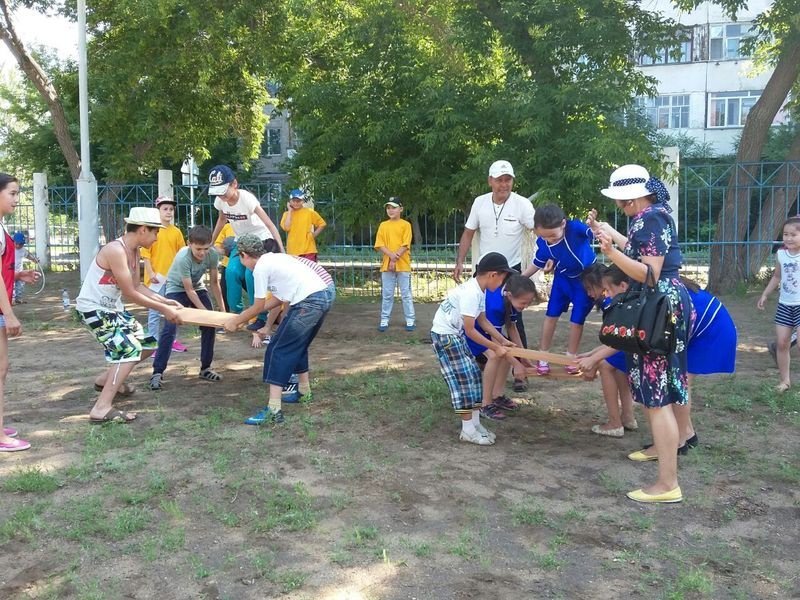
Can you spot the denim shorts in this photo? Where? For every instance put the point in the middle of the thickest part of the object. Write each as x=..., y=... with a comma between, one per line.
x=287, y=351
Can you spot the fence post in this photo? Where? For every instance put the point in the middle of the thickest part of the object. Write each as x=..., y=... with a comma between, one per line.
x=165, y=187
x=41, y=219
x=671, y=159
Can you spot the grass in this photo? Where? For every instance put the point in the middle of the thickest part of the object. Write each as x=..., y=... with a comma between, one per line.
x=30, y=480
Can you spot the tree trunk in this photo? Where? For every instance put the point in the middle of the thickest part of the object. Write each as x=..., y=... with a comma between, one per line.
x=728, y=254
x=775, y=207
x=110, y=212
x=34, y=72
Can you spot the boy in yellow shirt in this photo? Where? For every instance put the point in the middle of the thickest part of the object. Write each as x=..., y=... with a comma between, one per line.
x=302, y=226
x=227, y=232
x=158, y=259
x=393, y=240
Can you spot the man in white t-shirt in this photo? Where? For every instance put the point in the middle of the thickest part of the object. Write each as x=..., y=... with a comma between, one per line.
x=280, y=278
x=503, y=219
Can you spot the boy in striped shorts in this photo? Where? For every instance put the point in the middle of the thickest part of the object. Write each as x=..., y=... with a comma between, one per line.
x=456, y=318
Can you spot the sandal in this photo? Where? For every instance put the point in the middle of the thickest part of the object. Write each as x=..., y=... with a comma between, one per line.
x=113, y=416
x=210, y=375
x=125, y=390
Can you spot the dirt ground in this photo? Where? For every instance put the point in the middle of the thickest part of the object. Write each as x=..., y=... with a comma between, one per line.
x=366, y=492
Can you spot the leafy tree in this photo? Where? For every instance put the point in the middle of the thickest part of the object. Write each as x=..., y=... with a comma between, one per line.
x=776, y=43
x=417, y=99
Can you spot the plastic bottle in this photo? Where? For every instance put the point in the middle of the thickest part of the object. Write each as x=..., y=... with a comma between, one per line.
x=65, y=302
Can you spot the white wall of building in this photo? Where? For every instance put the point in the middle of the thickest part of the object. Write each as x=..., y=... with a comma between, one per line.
x=703, y=76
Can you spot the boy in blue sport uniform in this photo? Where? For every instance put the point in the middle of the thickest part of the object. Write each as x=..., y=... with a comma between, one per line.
x=568, y=245
x=503, y=308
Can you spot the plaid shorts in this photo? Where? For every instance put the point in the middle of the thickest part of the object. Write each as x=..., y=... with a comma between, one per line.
x=460, y=371
x=120, y=334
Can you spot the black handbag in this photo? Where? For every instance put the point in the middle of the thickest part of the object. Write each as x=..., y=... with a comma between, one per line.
x=640, y=321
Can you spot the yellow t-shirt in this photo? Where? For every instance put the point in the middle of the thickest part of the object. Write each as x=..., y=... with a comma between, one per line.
x=298, y=238
x=393, y=235
x=163, y=251
x=227, y=231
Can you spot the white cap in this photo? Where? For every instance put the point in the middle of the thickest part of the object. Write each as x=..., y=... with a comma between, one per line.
x=501, y=167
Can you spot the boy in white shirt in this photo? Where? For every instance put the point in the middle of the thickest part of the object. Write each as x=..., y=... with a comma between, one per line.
x=282, y=278
x=455, y=318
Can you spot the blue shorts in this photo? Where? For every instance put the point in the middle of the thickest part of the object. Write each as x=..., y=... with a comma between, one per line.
x=287, y=351
x=568, y=291
x=476, y=348
x=460, y=371
x=618, y=362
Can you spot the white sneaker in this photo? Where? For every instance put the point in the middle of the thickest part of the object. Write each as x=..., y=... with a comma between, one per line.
x=476, y=437
x=486, y=432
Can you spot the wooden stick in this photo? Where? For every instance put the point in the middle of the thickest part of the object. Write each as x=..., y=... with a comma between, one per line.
x=556, y=359
x=205, y=318
x=531, y=372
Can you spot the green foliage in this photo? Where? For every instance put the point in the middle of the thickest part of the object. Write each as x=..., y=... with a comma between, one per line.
x=418, y=99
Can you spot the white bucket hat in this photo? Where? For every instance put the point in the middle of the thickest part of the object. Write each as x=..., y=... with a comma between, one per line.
x=142, y=215
x=627, y=183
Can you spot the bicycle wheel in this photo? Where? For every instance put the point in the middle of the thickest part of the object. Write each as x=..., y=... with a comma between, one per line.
x=39, y=285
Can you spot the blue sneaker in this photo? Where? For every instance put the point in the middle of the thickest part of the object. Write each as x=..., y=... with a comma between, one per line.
x=383, y=327
x=290, y=397
x=265, y=415
x=411, y=327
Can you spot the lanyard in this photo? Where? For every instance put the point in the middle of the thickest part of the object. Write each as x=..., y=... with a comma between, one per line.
x=497, y=216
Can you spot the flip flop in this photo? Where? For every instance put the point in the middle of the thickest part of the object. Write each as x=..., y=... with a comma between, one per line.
x=112, y=416
x=125, y=390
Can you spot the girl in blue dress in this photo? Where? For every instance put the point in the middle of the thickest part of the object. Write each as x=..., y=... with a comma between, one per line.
x=503, y=308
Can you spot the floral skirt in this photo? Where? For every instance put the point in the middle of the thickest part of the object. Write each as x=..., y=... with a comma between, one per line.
x=658, y=380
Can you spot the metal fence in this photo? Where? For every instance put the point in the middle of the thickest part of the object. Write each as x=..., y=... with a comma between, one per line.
x=348, y=251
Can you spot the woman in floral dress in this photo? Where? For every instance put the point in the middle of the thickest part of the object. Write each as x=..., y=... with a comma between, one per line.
x=656, y=381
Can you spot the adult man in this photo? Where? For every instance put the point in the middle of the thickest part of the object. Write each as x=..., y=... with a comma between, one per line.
x=503, y=218
x=114, y=272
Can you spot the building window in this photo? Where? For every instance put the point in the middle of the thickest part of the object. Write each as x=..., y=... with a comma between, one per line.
x=725, y=41
x=664, y=56
x=667, y=112
x=730, y=109
x=271, y=146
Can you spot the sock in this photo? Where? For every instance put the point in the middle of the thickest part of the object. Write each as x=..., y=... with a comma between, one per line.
x=275, y=404
x=543, y=363
x=468, y=426
x=476, y=417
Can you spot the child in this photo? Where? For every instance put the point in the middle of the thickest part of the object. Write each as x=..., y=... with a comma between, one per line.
x=503, y=307
x=225, y=238
x=787, y=315
x=185, y=285
x=287, y=280
x=568, y=245
x=157, y=260
x=393, y=240
x=9, y=324
x=453, y=324
x=600, y=286
x=243, y=211
x=112, y=273
x=21, y=254
x=302, y=226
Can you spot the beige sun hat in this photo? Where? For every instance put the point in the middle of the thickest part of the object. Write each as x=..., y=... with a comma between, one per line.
x=143, y=215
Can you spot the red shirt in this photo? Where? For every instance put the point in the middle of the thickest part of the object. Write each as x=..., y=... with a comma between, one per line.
x=7, y=265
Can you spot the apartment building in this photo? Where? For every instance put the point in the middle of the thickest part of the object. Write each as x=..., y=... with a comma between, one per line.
x=708, y=90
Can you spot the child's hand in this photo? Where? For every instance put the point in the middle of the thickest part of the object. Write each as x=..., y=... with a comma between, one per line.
x=508, y=343
x=761, y=302
x=591, y=220
x=587, y=363
x=605, y=241
x=256, y=341
x=13, y=326
x=549, y=266
x=28, y=276
x=500, y=351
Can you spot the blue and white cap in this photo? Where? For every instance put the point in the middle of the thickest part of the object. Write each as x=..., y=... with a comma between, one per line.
x=296, y=193
x=219, y=178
